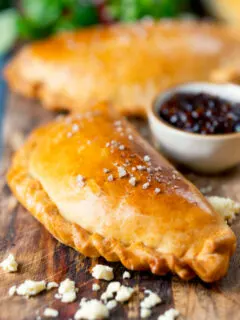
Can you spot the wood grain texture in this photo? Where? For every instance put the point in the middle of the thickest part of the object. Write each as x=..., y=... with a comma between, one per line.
x=42, y=257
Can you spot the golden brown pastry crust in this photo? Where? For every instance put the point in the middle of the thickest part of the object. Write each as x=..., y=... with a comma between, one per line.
x=229, y=10
x=174, y=230
x=125, y=64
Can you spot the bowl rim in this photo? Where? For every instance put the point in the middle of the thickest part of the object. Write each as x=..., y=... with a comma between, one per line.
x=161, y=97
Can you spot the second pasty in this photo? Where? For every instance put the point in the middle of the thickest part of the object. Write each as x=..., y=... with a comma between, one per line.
x=127, y=64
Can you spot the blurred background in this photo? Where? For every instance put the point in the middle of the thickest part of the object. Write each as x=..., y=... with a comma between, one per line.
x=24, y=20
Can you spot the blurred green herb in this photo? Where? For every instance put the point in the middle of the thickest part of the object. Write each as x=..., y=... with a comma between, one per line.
x=8, y=27
x=36, y=19
x=131, y=10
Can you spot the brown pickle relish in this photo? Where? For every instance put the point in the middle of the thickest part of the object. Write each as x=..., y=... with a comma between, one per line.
x=201, y=113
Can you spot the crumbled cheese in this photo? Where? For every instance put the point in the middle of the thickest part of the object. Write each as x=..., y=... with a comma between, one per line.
x=124, y=294
x=12, y=290
x=206, y=190
x=92, y=309
x=111, y=304
x=121, y=147
x=52, y=285
x=132, y=181
x=130, y=137
x=121, y=172
x=134, y=169
x=95, y=287
x=83, y=300
x=102, y=272
x=145, y=313
x=170, y=314
x=146, y=158
x=57, y=296
x=12, y=203
x=126, y=275
x=225, y=207
x=9, y=264
x=67, y=291
x=50, y=313
x=31, y=288
x=80, y=180
x=108, y=144
x=151, y=300
x=145, y=185
x=110, y=178
x=105, y=170
x=157, y=190
x=112, y=288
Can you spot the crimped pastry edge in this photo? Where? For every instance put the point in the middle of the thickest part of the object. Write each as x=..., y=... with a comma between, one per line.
x=209, y=265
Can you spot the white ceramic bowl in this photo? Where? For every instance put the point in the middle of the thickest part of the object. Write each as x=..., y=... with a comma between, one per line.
x=204, y=153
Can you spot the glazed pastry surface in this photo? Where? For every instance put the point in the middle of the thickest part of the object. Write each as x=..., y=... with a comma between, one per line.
x=228, y=10
x=98, y=187
x=125, y=64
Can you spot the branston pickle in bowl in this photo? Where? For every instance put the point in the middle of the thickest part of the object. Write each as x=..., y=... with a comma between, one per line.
x=198, y=125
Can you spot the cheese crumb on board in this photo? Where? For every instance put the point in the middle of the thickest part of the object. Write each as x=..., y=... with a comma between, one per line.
x=50, y=313
x=52, y=285
x=102, y=272
x=67, y=291
x=111, y=304
x=170, y=314
x=12, y=291
x=225, y=207
x=83, y=300
x=9, y=264
x=206, y=190
x=112, y=288
x=12, y=203
x=31, y=288
x=95, y=287
x=145, y=313
x=92, y=309
x=126, y=275
x=151, y=300
x=124, y=294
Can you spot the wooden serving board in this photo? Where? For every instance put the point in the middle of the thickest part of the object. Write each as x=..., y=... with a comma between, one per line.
x=42, y=257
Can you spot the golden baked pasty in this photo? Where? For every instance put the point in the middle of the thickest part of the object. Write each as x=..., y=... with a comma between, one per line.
x=98, y=187
x=125, y=64
x=229, y=10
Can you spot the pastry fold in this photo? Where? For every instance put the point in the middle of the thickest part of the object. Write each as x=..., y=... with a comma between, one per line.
x=98, y=187
x=126, y=64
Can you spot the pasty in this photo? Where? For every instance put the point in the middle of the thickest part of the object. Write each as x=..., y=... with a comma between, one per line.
x=98, y=187
x=126, y=64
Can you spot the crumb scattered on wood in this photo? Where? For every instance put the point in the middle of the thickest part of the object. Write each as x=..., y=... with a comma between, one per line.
x=16, y=140
x=12, y=203
x=227, y=207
